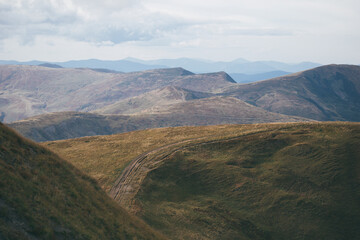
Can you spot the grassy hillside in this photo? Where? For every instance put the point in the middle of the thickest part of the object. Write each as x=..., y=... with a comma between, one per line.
x=262, y=181
x=45, y=197
x=294, y=182
x=105, y=157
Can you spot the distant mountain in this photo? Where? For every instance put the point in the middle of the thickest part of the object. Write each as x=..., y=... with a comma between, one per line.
x=195, y=65
x=46, y=197
x=159, y=97
x=236, y=66
x=117, y=65
x=31, y=90
x=205, y=111
x=247, y=78
x=291, y=67
x=169, y=97
x=326, y=93
x=50, y=65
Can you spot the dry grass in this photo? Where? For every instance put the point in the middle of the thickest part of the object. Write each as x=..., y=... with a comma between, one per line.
x=273, y=181
x=104, y=157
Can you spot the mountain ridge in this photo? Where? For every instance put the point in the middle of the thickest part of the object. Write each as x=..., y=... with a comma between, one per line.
x=31, y=90
x=195, y=65
x=198, y=112
x=330, y=92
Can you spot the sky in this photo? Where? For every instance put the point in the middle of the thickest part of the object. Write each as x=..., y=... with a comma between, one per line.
x=323, y=31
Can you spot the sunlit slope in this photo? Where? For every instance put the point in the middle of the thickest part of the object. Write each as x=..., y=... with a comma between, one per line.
x=292, y=181
x=104, y=157
x=45, y=197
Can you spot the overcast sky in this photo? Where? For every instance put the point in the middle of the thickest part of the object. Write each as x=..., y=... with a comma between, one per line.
x=324, y=31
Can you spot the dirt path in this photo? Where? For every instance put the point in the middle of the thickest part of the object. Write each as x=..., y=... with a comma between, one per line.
x=129, y=182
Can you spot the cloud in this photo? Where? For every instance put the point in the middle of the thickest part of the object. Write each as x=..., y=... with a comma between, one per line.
x=227, y=27
x=116, y=21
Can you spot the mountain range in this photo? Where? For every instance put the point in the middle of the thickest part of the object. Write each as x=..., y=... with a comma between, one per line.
x=31, y=90
x=238, y=69
x=283, y=164
x=119, y=102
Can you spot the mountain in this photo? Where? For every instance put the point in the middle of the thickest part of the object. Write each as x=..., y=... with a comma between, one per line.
x=325, y=93
x=117, y=65
x=291, y=67
x=31, y=90
x=195, y=65
x=247, y=78
x=262, y=181
x=236, y=66
x=44, y=197
x=159, y=97
x=50, y=65
x=206, y=111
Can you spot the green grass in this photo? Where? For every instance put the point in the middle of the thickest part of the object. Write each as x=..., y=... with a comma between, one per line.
x=45, y=197
x=297, y=181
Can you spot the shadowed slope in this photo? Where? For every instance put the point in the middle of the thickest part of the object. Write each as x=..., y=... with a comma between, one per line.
x=44, y=197
x=329, y=92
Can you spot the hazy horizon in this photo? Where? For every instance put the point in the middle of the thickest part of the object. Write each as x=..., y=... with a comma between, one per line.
x=286, y=31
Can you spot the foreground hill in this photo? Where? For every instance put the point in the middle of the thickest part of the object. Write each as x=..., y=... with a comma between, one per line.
x=45, y=197
x=263, y=181
x=205, y=111
x=31, y=90
x=325, y=93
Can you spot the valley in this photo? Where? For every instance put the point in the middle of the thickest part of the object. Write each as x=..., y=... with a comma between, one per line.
x=179, y=120
x=169, y=154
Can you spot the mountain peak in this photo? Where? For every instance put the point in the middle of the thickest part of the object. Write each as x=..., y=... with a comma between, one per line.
x=50, y=65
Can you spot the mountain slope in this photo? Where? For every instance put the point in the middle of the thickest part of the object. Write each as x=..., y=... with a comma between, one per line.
x=247, y=78
x=281, y=183
x=44, y=197
x=31, y=90
x=262, y=181
x=329, y=92
x=206, y=111
x=159, y=97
